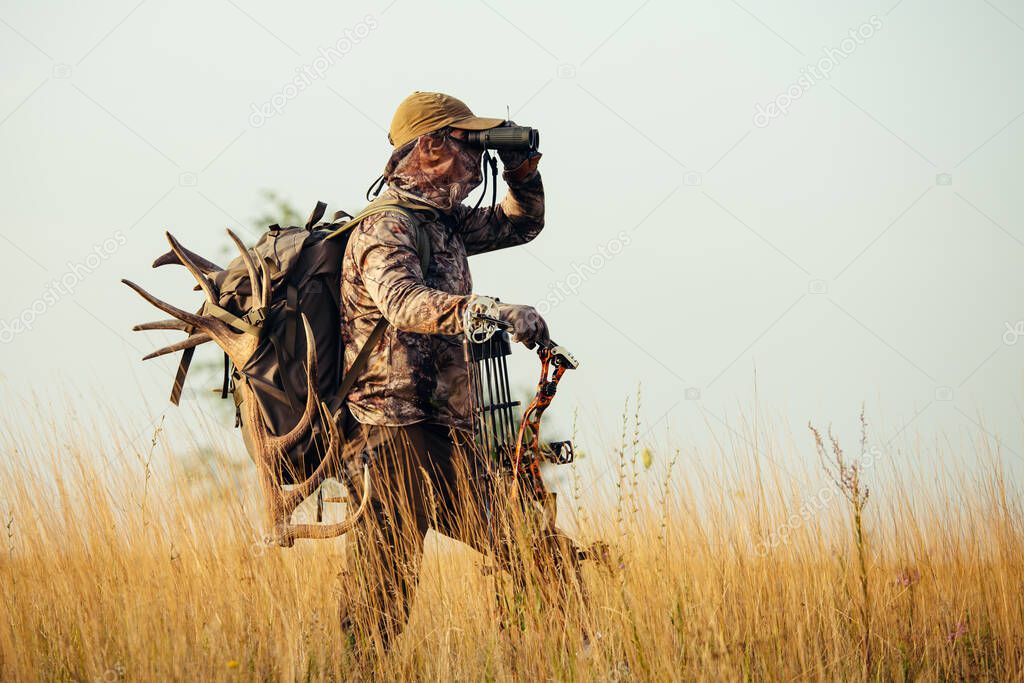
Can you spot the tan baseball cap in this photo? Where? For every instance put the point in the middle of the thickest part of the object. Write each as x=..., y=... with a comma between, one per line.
x=424, y=112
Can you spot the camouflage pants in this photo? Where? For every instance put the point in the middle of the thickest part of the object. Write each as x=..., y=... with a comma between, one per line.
x=428, y=476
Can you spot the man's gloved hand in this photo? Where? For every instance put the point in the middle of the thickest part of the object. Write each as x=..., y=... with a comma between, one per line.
x=527, y=325
x=519, y=164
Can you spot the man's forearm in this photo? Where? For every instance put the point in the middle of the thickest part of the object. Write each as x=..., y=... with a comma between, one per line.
x=414, y=307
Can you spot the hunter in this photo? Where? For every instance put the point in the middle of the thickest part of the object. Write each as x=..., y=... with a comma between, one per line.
x=410, y=407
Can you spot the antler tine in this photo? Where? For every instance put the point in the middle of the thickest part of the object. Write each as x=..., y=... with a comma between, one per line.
x=303, y=490
x=197, y=273
x=192, y=341
x=162, y=325
x=287, y=533
x=287, y=441
x=254, y=283
x=186, y=317
x=265, y=277
x=171, y=258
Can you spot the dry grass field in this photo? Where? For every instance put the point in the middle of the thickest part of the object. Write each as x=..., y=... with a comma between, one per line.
x=141, y=561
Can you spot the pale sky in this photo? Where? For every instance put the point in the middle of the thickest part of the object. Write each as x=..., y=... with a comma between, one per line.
x=864, y=245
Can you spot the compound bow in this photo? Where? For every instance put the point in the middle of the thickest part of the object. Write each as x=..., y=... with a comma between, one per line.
x=519, y=449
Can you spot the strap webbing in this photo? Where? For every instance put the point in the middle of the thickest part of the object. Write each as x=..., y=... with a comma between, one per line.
x=179, y=376
x=231, y=319
x=291, y=319
x=407, y=209
x=364, y=355
x=267, y=388
x=227, y=377
x=316, y=215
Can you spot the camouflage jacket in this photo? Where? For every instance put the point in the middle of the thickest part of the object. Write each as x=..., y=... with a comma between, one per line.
x=418, y=373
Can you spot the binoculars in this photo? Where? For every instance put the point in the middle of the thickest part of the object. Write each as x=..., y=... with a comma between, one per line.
x=506, y=137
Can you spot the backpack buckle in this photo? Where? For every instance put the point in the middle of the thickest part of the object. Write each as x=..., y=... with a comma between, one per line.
x=256, y=316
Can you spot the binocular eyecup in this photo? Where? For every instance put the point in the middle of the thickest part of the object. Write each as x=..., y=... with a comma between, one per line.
x=506, y=137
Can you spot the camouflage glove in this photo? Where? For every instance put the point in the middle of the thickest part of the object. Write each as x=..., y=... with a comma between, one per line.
x=524, y=170
x=519, y=164
x=527, y=325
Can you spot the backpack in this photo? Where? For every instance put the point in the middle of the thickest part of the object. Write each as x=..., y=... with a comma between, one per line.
x=305, y=265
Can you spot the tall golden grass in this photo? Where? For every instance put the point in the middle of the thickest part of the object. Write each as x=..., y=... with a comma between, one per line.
x=132, y=560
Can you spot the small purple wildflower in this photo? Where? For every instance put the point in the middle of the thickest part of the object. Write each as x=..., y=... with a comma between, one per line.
x=956, y=633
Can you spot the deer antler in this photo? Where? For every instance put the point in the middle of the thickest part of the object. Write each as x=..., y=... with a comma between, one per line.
x=197, y=272
x=283, y=503
x=192, y=341
x=238, y=345
x=172, y=258
x=267, y=448
x=287, y=534
x=170, y=324
x=258, y=293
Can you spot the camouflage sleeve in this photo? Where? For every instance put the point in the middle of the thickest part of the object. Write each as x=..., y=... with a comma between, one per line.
x=516, y=220
x=386, y=256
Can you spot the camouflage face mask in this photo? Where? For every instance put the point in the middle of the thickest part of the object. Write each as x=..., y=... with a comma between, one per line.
x=443, y=176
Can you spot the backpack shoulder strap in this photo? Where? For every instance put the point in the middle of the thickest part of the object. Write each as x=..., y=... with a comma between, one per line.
x=423, y=243
x=406, y=208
